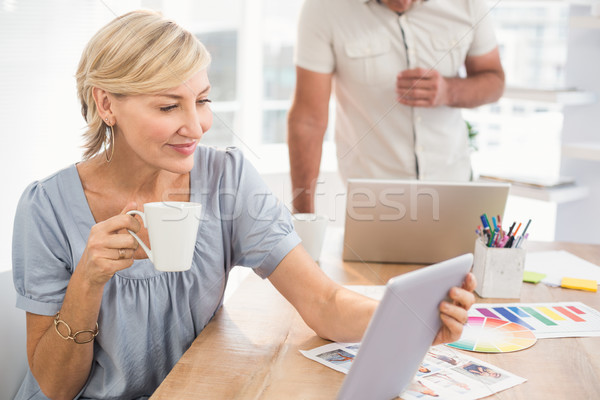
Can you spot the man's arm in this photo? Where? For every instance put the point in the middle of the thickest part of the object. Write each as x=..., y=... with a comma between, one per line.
x=307, y=123
x=427, y=88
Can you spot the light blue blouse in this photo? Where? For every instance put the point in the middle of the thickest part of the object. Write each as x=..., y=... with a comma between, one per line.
x=148, y=318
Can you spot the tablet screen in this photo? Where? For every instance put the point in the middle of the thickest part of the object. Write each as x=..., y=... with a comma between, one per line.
x=402, y=329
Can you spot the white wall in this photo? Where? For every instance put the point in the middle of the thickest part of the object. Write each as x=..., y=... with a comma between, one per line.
x=578, y=221
x=40, y=44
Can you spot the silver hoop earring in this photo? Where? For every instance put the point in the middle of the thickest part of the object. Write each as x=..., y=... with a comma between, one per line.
x=109, y=141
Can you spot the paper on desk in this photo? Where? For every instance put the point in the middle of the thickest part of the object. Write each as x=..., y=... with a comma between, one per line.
x=444, y=373
x=559, y=264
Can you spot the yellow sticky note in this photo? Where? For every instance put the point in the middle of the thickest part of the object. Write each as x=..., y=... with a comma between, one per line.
x=581, y=284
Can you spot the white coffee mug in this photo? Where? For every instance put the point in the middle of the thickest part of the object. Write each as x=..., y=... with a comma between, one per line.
x=311, y=229
x=172, y=230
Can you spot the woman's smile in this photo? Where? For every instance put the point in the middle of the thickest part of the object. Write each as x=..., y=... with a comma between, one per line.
x=186, y=149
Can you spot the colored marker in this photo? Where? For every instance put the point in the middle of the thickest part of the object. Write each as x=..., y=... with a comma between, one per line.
x=526, y=226
x=511, y=228
x=492, y=240
x=518, y=242
x=521, y=240
x=515, y=234
x=497, y=239
x=484, y=221
x=486, y=228
x=487, y=234
x=500, y=227
x=488, y=223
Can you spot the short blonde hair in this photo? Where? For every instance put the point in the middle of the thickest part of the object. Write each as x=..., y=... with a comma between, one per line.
x=140, y=52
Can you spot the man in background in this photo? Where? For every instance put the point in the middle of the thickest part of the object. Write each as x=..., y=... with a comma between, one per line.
x=394, y=65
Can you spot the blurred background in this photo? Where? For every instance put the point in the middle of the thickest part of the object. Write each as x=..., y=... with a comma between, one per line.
x=541, y=132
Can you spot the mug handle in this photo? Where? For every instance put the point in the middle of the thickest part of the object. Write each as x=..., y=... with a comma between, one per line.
x=143, y=217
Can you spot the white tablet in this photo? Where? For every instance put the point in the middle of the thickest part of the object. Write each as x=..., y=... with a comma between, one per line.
x=401, y=331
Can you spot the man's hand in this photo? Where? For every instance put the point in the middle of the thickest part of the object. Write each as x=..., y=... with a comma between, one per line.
x=421, y=87
x=483, y=84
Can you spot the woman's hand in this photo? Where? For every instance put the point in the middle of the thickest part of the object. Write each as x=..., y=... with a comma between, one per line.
x=109, y=248
x=454, y=315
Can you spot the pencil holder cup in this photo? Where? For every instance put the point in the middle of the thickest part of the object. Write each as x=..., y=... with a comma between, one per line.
x=499, y=271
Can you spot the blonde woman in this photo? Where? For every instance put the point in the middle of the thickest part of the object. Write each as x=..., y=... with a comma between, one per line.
x=143, y=86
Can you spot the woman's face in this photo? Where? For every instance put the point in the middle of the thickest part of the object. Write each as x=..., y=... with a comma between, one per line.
x=163, y=130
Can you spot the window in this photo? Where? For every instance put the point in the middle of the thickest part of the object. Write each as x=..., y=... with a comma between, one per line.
x=532, y=38
x=252, y=77
x=518, y=137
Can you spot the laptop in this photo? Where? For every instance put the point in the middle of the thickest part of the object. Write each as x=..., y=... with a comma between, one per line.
x=419, y=222
x=401, y=331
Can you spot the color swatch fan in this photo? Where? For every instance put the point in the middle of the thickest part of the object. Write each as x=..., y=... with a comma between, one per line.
x=491, y=335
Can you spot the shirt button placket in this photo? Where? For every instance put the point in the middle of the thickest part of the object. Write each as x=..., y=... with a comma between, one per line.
x=411, y=61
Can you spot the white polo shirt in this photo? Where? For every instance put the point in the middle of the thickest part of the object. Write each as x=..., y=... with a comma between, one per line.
x=365, y=45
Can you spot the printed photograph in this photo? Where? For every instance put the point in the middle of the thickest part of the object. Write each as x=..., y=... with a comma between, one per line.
x=353, y=347
x=419, y=390
x=427, y=368
x=444, y=355
x=453, y=382
x=338, y=357
x=481, y=373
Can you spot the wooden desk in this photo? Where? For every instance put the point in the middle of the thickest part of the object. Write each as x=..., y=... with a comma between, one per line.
x=250, y=349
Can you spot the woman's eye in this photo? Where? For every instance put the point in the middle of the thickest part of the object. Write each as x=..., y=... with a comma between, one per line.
x=168, y=108
x=174, y=106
